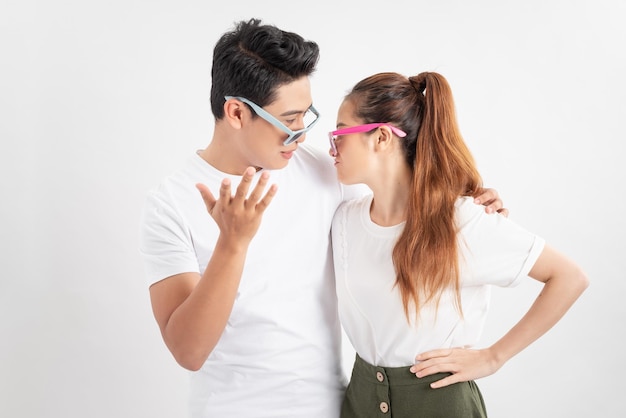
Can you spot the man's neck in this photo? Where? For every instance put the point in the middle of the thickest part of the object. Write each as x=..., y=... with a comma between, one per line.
x=221, y=157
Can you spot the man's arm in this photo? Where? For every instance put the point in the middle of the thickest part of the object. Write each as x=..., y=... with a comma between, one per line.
x=191, y=309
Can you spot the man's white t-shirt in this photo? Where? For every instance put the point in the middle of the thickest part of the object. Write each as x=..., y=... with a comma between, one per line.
x=493, y=250
x=280, y=354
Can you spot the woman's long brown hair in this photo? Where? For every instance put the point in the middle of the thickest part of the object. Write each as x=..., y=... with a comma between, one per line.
x=425, y=256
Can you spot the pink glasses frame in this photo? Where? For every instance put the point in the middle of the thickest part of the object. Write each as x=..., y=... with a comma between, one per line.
x=361, y=128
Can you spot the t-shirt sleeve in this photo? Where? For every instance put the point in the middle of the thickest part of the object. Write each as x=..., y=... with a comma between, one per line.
x=164, y=241
x=494, y=249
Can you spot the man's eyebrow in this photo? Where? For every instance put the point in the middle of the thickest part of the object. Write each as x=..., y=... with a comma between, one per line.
x=295, y=112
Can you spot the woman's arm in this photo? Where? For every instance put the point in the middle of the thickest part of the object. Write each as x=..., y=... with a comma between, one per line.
x=563, y=282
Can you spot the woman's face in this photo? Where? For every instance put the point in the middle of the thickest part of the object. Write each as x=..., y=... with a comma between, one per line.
x=354, y=152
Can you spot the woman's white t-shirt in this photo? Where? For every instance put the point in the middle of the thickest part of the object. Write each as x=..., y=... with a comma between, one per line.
x=493, y=250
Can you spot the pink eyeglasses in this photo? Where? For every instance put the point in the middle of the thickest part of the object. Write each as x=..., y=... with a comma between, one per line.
x=332, y=136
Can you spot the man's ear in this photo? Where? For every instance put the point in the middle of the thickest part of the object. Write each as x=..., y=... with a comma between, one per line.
x=233, y=113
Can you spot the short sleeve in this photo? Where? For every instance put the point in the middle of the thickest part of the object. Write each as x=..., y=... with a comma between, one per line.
x=164, y=240
x=494, y=250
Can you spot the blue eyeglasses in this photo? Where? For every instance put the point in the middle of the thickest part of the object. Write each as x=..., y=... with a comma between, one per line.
x=310, y=118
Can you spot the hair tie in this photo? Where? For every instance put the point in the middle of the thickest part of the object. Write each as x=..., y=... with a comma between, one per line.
x=419, y=83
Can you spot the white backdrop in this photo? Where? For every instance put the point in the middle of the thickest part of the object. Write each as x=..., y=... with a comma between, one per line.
x=101, y=99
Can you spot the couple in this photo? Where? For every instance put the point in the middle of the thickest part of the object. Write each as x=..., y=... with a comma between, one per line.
x=246, y=296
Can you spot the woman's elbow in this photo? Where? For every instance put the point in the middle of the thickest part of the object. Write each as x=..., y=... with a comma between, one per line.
x=582, y=280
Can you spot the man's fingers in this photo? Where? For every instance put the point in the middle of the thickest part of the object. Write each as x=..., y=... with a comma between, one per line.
x=486, y=196
x=491, y=200
x=255, y=202
x=264, y=203
x=207, y=196
x=492, y=205
x=225, y=193
x=255, y=196
x=244, y=185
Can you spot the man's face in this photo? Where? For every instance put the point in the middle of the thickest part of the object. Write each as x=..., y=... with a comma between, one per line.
x=263, y=142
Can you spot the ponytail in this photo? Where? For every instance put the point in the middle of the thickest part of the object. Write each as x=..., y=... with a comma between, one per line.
x=425, y=256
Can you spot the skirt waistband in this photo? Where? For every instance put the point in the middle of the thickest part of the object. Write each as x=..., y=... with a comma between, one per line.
x=391, y=375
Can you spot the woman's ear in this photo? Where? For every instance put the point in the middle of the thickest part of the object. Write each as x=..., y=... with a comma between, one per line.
x=384, y=139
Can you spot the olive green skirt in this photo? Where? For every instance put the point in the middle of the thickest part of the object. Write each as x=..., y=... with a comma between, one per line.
x=398, y=393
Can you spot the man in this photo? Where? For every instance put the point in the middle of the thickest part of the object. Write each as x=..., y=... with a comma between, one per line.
x=250, y=306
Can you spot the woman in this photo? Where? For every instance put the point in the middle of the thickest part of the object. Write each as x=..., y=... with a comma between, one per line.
x=415, y=261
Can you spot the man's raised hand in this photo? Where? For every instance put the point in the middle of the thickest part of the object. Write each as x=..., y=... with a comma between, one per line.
x=238, y=216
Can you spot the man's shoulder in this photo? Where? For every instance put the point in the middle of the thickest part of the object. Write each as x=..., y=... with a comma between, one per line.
x=314, y=157
x=179, y=186
x=191, y=171
x=310, y=165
